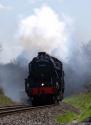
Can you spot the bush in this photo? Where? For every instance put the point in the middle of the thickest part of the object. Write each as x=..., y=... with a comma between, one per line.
x=88, y=87
x=1, y=90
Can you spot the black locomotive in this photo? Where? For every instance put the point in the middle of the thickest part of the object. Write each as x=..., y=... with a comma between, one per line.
x=45, y=82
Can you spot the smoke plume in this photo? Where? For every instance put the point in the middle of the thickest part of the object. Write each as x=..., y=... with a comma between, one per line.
x=12, y=80
x=46, y=31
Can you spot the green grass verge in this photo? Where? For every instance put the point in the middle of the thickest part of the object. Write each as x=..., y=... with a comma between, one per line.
x=85, y=114
x=4, y=100
x=66, y=118
x=81, y=101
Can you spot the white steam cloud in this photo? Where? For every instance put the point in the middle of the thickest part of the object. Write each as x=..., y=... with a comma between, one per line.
x=9, y=53
x=46, y=31
x=3, y=7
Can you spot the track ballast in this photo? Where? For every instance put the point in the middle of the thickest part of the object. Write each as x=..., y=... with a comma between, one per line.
x=6, y=110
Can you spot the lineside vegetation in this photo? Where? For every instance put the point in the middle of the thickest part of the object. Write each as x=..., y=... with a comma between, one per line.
x=4, y=100
x=81, y=101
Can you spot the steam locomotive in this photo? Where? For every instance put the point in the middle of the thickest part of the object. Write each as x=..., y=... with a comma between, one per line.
x=45, y=82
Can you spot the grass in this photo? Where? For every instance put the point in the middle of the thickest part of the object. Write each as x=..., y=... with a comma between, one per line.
x=4, y=100
x=85, y=114
x=81, y=101
x=66, y=118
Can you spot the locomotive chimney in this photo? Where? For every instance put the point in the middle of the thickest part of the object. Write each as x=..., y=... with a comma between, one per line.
x=41, y=53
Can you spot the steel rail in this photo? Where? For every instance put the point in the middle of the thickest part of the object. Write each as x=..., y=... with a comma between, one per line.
x=16, y=109
x=12, y=107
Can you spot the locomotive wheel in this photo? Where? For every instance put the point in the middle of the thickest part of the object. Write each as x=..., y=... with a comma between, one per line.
x=56, y=100
x=35, y=101
x=51, y=100
x=60, y=97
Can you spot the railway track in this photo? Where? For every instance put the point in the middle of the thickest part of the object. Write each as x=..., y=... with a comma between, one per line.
x=7, y=110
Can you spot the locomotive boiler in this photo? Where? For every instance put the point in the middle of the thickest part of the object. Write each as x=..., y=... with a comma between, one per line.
x=45, y=82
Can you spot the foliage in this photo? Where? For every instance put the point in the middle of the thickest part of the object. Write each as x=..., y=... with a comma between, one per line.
x=88, y=87
x=1, y=90
x=4, y=100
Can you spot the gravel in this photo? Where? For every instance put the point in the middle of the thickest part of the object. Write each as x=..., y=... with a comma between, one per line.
x=45, y=116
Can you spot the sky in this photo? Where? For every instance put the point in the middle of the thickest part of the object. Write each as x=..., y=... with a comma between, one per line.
x=12, y=11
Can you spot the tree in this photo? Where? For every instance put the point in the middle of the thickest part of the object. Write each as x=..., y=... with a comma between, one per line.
x=1, y=90
x=87, y=86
